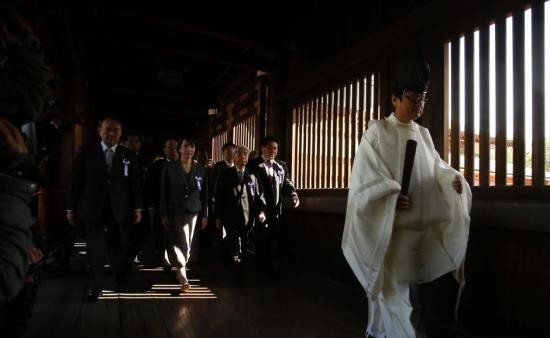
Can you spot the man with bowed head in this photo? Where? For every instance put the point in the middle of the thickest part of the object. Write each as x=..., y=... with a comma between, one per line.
x=395, y=239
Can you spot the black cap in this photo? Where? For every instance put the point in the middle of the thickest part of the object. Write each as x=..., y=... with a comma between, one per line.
x=412, y=75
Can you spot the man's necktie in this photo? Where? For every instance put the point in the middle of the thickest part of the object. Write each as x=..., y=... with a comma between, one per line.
x=240, y=174
x=270, y=172
x=109, y=158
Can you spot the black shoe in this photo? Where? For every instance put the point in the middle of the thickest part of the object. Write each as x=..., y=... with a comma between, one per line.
x=92, y=295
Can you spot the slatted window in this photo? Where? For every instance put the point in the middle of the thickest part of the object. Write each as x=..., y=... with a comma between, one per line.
x=497, y=79
x=244, y=132
x=217, y=143
x=326, y=131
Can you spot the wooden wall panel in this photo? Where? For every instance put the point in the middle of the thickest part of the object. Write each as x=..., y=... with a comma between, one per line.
x=507, y=272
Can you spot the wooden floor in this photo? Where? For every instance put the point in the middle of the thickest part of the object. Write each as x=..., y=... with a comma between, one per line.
x=295, y=304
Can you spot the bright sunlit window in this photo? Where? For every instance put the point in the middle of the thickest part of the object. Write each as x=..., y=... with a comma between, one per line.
x=217, y=143
x=244, y=133
x=326, y=131
x=505, y=146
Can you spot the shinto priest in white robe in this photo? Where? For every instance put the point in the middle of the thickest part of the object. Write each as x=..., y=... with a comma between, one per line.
x=421, y=243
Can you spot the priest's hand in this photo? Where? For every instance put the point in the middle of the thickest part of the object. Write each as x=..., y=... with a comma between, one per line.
x=403, y=202
x=457, y=184
x=295, y=201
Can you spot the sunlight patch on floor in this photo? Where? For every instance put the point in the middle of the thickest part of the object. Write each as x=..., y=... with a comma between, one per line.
x=163, y=291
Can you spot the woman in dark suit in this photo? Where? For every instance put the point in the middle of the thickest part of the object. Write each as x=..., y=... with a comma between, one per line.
x=183, y=199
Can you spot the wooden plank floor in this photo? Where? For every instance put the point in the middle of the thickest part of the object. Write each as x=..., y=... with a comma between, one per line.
x=296, y=304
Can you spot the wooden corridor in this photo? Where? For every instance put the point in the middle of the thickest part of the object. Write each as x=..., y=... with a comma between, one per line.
x=297, y=304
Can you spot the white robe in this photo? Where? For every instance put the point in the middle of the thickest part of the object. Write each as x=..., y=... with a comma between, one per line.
x=427, y=240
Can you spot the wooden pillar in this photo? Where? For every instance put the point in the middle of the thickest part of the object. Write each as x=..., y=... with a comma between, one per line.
x=262, y=117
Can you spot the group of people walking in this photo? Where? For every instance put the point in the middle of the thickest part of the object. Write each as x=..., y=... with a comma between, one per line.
x=108, y=195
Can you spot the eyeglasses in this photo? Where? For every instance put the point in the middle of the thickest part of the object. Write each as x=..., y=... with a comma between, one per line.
x=416, y=98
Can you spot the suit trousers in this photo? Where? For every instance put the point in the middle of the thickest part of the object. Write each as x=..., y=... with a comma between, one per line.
x=237, y=235
x=106, y=239
x=138, y=235
x=159, y=233
x=267, y=240
x=179, y=237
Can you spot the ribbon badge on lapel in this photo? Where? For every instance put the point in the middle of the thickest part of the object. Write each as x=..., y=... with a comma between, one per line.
x=281, y=174
x=126, y=164
x=251, y=187
x=198, y=186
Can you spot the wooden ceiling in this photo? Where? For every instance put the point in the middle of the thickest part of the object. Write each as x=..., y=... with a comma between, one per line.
x=167, y=55
x=167, y=60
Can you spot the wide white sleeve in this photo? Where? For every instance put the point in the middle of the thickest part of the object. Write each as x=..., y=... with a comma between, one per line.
x=456, y=231
x=370, y=214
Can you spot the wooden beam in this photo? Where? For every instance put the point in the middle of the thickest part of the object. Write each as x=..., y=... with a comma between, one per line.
x=159, y=95
x=202, y=31
x=455, y=104
x=469, y=108
x=519, y=97
x=317, y=158
x=340, y=139
x=303, y=147
x=221, y=57
x=324, y=138
x=500, y=74
x=538, y=71
x=484, y=110
x=334, y=138
x=114, y=13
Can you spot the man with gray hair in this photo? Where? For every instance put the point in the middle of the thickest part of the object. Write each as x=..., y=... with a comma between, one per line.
x=239, y=203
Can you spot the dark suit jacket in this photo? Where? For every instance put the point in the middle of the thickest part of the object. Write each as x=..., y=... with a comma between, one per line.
x=92, y=185
x=215, y=173
x=181, y=193
x=273, y=190
x=152, y=184
x=237, y=204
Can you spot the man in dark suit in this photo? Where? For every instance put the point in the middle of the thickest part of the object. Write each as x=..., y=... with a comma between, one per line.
x=239, y=201
x=105, y=195
x=138, y=232
x=274, y=177
x=152, y=197
x=212, y=234
x=228, y=151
